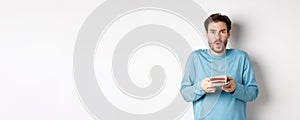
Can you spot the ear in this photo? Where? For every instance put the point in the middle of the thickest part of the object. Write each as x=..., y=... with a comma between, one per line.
x=229, y=33
x=205, y=33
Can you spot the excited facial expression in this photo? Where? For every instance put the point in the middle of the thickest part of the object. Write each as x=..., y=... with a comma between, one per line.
x=217, y=35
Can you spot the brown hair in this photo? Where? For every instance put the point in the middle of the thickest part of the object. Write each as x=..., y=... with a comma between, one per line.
x=218, y=17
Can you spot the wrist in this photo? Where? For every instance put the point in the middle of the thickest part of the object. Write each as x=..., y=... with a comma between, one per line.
x=232, y=91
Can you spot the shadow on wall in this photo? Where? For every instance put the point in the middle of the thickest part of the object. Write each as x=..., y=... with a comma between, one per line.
x=235, y=36
x=253, y=108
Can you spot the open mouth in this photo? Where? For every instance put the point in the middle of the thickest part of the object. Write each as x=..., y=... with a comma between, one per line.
x=218, y=44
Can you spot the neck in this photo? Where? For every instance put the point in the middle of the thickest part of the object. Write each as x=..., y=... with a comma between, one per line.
x=218, y=54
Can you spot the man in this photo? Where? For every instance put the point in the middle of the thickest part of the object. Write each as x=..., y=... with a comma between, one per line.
x=226, y=102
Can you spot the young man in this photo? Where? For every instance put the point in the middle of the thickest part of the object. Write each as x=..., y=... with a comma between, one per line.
x=228, y=101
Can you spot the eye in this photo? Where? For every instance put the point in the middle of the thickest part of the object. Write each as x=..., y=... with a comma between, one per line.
x=223, y=32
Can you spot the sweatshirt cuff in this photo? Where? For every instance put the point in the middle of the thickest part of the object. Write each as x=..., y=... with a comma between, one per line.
x=238, y=92
x=198, y=90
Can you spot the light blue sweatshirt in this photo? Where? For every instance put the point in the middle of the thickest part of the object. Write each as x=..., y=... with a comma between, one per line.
x=229, y=106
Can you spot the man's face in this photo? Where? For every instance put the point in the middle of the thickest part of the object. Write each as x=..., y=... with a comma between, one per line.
x=217, y=36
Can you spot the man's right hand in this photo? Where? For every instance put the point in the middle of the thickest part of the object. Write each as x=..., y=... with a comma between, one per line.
x=206, y=86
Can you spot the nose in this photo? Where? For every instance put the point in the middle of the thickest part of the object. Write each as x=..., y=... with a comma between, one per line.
x=218, y=36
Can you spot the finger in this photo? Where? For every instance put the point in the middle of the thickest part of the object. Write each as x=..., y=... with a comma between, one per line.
x=227, y=85
x=228, y=89
x=225, y=89
x=211, y=87
x=229, y=78
x=212, y=90
x=207, y=79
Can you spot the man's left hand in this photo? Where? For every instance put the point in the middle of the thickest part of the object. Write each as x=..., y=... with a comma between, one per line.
x=230, y=87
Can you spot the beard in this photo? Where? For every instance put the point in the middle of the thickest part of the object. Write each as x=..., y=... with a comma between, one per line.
x=219, y=49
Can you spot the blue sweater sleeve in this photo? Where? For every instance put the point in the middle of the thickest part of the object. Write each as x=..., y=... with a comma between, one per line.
x=248, y=90
x=191, y=90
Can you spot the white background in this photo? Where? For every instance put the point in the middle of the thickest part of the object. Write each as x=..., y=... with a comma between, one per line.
x=37, y=41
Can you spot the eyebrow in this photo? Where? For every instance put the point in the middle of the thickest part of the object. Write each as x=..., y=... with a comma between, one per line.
x=216, y=30
x=223, y=29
